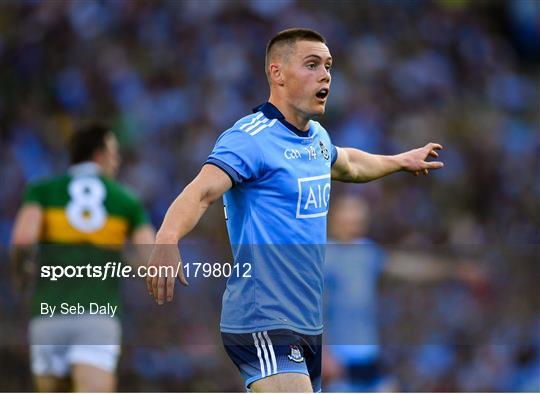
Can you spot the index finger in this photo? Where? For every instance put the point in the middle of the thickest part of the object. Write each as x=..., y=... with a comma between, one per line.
x=433, y=145
x=181, y=276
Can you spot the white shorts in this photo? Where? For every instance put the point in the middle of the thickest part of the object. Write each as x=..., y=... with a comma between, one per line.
x=58, y=343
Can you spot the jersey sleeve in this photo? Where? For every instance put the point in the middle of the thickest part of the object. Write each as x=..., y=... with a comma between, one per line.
x=138, y=215
x=333, y=154
x=333, y=148
x=237, y=154
x=34, y=195
x=130, y=205
x=382, y=258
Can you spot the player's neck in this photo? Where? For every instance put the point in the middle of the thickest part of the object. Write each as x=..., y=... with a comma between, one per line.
x=297, y=119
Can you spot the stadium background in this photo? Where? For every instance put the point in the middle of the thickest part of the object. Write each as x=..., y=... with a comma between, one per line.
x=171, y=75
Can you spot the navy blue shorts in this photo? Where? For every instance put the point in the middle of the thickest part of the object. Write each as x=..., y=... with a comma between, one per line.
x=265, y=353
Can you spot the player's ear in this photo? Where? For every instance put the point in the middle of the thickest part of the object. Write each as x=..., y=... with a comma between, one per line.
x=275, y=72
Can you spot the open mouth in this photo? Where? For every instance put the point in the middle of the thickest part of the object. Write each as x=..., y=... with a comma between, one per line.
x=322, y=94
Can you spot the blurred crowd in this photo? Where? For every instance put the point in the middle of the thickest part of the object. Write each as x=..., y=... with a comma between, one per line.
x=170, y=76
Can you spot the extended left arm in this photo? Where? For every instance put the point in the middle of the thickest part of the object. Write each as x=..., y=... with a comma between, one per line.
x=354, y=165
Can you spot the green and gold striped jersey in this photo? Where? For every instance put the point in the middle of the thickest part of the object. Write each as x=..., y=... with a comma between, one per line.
x=87, y=218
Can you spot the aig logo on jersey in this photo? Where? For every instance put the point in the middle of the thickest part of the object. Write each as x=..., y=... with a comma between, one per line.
x=292, y=154
x=313, y=196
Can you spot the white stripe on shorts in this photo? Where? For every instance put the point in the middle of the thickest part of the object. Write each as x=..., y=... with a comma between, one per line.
x=263, y=374
x=266, y=358
x=271, y=348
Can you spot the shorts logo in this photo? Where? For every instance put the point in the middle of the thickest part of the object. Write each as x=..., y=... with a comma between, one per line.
x=313, y=196
x=324, y=151
x=295, y=355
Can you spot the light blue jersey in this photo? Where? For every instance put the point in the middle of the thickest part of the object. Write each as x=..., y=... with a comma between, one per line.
x=276, y=219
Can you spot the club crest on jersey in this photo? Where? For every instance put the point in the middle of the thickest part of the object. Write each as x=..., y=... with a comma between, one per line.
x=324, y=151
x=295, y=355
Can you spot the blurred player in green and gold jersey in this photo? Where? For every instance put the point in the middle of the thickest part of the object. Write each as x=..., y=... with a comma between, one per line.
x=81, y=218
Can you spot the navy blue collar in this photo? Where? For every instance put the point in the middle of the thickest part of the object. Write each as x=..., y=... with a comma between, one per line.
x=271, y=112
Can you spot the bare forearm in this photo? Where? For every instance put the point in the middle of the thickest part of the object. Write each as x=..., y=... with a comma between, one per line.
x=371, y=167
x=182, y=216
x=354, y=165
x=21, y=255
x=365, y=167
x=421, y=267
x=22, y=265
x=186, y=211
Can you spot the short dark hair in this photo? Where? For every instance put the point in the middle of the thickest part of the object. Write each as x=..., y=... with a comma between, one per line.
x=87, y=140
x=289, y=37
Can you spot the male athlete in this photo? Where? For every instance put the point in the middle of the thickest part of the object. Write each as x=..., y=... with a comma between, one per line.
x=353, y=266
x=78, y=218
x=274, y=169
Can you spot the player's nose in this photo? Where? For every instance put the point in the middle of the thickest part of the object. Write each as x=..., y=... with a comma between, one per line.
x=325, y=76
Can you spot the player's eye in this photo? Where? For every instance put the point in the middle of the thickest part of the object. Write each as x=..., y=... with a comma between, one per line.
x=328, y=67
x=311, y=66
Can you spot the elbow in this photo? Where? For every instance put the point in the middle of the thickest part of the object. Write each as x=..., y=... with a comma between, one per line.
x=208, y=199
x=355, y=176
x=23, y=239
x=203, y=197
